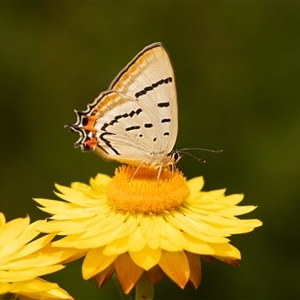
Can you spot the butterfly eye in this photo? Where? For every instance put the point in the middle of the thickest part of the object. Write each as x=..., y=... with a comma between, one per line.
x=175, y=155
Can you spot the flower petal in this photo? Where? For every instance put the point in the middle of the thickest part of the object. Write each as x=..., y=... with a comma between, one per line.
x=128, y=272
x=176, y=266
x=39, y=289
x=146, y=258
x=196, y=184
x=102, y=277
x=195, y=269
x=95, y=262
x=155, y=274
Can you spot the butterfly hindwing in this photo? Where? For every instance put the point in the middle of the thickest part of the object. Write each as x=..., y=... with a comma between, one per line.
x=135, y=121
x=124, y=133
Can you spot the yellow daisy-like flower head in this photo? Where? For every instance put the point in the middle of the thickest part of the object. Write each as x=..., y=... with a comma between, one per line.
x=133, y=224
x=23, y=259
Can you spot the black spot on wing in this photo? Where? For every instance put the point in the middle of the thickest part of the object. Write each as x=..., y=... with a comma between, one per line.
x=163, y=104
x=132, y=128
x=84, y=121
x=123, y=116
x=148, y=125
x=166, y=120
x=111, y=123
x=153, y=86
x=156, y=84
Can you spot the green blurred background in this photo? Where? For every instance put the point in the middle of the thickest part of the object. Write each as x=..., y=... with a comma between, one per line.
x=237, y=66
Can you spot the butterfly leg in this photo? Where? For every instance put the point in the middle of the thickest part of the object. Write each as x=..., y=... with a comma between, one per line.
x=160, y=167
x=172, y=165
x=136, y=170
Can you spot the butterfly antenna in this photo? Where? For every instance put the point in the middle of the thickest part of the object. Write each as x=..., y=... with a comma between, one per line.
x=136, y=170
x=184, y=151
x=203, y=161
x=200, y=149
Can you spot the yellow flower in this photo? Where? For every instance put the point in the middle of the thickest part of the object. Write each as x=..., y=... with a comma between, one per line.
x=133, y=224
x=23, y=259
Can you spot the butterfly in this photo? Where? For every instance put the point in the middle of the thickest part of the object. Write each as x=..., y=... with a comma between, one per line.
x=135, y=121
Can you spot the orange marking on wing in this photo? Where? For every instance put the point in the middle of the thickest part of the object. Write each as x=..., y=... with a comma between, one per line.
x=108, y=103
x=133, y=71
x=91, y=124
x=92, y=143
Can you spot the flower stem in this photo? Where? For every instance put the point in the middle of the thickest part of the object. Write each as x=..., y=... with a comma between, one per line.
x=144, y=289
x=123, y=296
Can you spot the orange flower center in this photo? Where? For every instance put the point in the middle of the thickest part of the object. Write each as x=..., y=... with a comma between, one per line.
x=143, y=192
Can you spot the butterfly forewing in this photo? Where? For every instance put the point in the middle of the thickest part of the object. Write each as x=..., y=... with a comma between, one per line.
x=149, y=78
